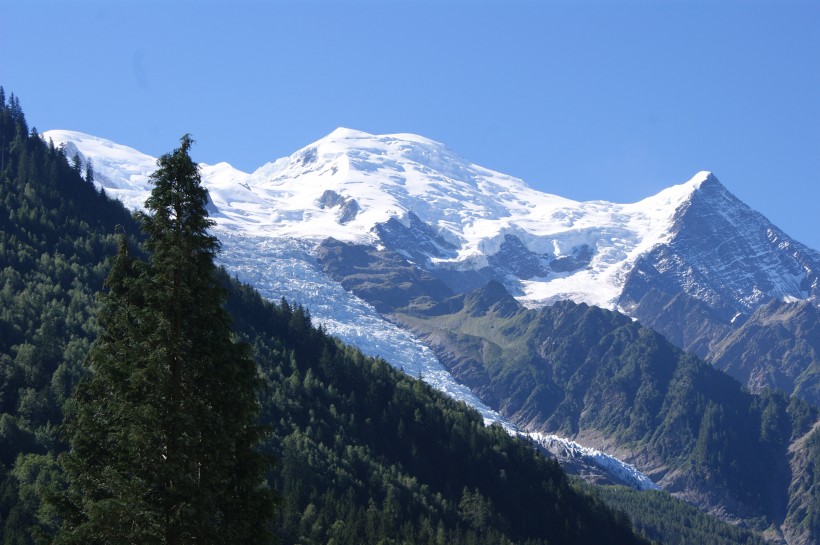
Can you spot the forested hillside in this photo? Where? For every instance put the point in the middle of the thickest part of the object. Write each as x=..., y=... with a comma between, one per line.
x=55, y=232
x=582, y=371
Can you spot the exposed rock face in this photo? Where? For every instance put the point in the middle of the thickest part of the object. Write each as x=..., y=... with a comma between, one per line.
x=727, y=255
x=330, y=198
x=581, y=257
x=417, y=241
x=348, y=208
x=777, y=347
x=514, y=258
x=802, y=526
x=722, y=263
x=381, y=277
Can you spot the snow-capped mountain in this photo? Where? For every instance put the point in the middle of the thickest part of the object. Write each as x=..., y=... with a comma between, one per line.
x=380, y=190
x=270, y=223
x=447, y=214
x=693, y=261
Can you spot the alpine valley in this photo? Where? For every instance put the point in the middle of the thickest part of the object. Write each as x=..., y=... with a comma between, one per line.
x=668, y=343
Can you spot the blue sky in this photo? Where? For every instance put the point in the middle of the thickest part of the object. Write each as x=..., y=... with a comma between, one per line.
x=590, y=100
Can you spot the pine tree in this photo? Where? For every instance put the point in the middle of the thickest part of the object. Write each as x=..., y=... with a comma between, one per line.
x=111, y=424
x=167, y=421
x=89, y=171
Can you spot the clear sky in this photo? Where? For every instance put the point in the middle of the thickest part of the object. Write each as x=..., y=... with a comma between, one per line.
x=589, y=100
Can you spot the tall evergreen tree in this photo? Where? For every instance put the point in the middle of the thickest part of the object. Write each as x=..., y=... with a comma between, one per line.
x=89, y=171
x=112, y=424
x=165, y=427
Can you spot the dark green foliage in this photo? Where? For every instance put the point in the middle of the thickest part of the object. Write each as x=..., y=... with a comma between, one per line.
x=163, y=432
x=367, y=453
x=572, y=368
x=804, y=509
x=54, y=228
x=661, y=517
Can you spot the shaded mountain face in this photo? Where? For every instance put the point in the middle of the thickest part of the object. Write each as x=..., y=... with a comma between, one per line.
x=597, y=375
x=727, y=255
x=724, y=265
x=777, y=347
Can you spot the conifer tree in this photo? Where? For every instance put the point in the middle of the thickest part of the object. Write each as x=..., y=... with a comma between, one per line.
x=164, y=431
x=89, y=171
x=113, y=435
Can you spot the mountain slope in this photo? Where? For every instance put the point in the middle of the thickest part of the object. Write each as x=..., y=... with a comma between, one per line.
x=585, y=372
x=362, y=442
x=777, y=347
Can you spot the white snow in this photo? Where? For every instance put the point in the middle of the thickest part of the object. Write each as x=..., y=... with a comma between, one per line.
x=392, y=175
x=122, y=171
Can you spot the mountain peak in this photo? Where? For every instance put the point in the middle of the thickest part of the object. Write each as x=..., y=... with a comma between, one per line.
x=703, y=177
x=346, y=133
x=705, y=181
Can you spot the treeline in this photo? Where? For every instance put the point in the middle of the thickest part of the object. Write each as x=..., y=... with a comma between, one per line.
x=657, y=515
x=365, y=454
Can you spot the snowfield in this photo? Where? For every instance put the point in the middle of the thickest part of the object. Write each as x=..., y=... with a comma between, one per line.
x=390, y=176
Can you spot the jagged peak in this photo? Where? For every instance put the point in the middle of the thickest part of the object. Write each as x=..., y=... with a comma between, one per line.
x=703, y=177
x=705, y=186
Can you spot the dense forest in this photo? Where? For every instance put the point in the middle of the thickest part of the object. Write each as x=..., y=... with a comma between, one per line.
x=577, y=368
x=660, y=516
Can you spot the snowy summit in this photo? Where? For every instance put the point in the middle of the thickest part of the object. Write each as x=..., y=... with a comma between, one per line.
x=349, y=182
